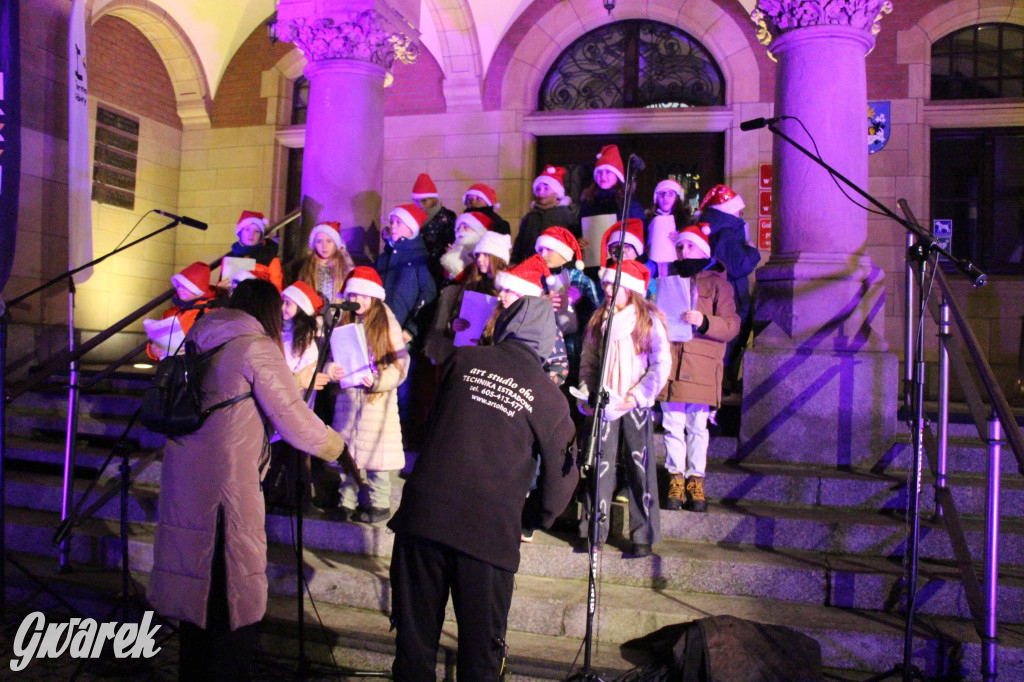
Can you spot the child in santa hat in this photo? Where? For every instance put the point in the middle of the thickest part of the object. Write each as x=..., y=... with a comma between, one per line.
x=637, y=368
x=695, y=384
x=669, y=214
x=250, y=230
x=328, y=262
x=490, y=255
x=299, y=308
x=411, y=293
x=526, y=279
x=367, y=416
x=550, y=207
x=605, y=196
x=403, y=269
x=481, y=198
x=722, y=210
x=192, y=294
x=439, y=228
x=469, y=228
x=573, y=294
x=615, y=247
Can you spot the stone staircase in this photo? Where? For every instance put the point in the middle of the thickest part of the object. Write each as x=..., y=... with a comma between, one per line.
x=814, y=547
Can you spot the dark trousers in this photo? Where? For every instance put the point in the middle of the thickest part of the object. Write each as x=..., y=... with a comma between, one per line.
x=217, y=652
x=422, y=574
x=626, y=442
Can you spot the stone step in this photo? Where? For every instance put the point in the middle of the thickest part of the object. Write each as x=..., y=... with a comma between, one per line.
x=547, y=611
x=834, y=531
x=101, y=428
x=47, y=455
x=121, y=403
x=795, y=576
x=777, y=483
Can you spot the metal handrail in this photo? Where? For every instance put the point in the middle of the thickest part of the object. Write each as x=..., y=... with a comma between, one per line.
x=997, y=399
x=65, y=357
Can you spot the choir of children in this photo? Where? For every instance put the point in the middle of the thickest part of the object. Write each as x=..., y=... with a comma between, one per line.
x=412, y=303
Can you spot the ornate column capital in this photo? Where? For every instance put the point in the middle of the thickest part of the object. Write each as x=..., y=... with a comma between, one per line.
x=775, y=17
x=366, y=35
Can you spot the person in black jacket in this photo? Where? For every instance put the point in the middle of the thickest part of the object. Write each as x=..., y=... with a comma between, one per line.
x=458, y=526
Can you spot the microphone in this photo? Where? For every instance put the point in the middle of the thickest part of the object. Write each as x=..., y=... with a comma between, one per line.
x=758, y=123
x=184, y=220
x=637, y=162
x=345, y=306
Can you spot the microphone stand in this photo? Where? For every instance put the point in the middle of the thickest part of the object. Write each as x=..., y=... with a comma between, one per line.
x=922, y=252
x=595, y=448
x=305, y=668
x=69, y=455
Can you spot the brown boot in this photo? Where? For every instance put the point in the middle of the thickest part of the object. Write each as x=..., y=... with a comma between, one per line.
x=695, y=501
x=676, y=492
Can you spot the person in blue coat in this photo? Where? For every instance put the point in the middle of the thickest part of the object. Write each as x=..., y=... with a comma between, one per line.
x=411, y=293
x=721, y=209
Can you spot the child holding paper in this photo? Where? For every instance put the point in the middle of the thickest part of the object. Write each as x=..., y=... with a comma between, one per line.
x=191, y=294
x=637, y=368
x=695, y=380
x=367, y=415
x=251, y=244
x=327, y=264
x=490, y=257
x=571, y=292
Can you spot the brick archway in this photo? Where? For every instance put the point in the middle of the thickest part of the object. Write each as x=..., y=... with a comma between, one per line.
x=191, y=89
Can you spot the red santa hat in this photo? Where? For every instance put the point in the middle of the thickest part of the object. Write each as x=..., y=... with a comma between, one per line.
x=669, y=185
x=562, y=242
x=698, y=235
x=723, y=199
x=410, y=214
x=553, y=177
x=424, y=187
x=635, y=276
x=610, y=159
x=524, y=279
x=331, y=229
x=250, y=218
x=304, y=296
x=258, y=272
x=482, y=191
x=364, y=280
x=195, y=278
x=634, y=237
x=472, y=219
x=495, y=244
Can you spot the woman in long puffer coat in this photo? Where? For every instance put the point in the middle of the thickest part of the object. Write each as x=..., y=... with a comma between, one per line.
x=210, y=551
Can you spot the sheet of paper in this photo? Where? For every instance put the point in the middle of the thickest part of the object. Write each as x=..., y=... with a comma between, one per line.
x=350, y=352
x=674, y=299
x=229, y=265
x=582, y=393
x=661, y=233
x=476, y=309
x=165, y=333
x=593, y=229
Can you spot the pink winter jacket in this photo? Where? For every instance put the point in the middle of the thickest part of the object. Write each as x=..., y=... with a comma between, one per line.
x=219, y=466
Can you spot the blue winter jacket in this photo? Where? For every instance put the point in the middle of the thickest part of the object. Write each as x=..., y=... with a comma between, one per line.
x=408, y=285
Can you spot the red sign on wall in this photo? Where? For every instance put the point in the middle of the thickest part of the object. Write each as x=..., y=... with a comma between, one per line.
x=764, y=207
x=764, y=233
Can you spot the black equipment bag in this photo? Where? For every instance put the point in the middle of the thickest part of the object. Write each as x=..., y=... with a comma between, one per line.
x=172, y=404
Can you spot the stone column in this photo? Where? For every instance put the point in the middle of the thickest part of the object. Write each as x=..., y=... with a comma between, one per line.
x=350, y=47
x=819, y=385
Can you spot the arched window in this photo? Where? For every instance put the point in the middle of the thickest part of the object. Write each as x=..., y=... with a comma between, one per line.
x=300, y=100
x=979, y=62
x=633, y=64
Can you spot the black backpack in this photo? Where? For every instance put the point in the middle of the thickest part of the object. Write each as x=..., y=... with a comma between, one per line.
x=172, y=404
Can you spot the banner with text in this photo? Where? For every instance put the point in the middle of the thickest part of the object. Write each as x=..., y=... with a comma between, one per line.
x=10, y=136
x=79, y=172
